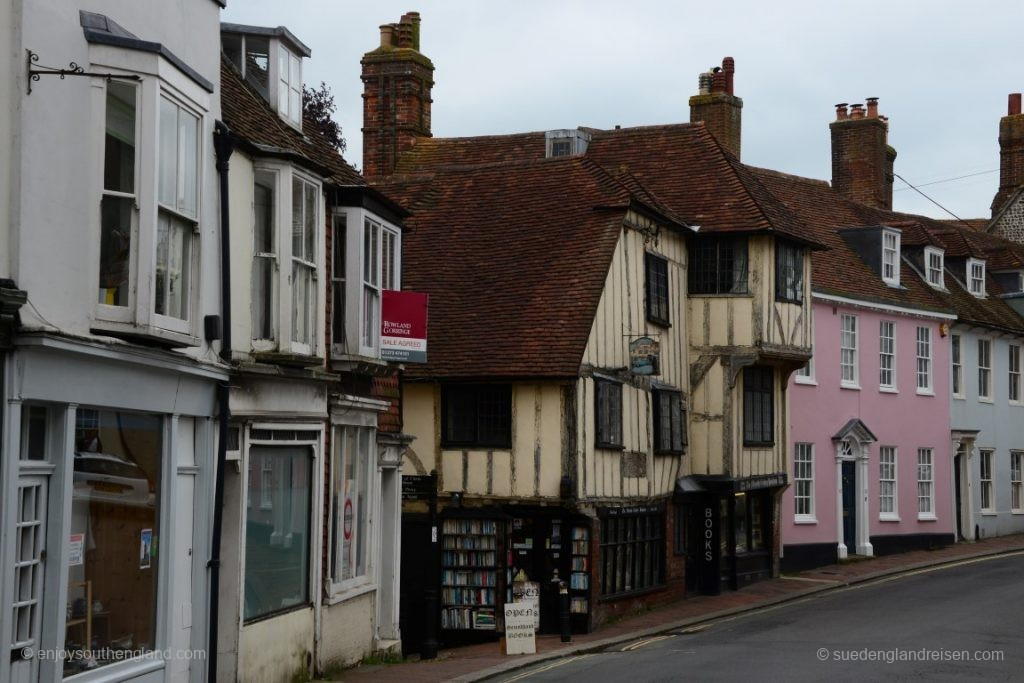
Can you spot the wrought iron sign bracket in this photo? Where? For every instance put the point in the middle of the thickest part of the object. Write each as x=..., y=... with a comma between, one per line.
x=73, y=69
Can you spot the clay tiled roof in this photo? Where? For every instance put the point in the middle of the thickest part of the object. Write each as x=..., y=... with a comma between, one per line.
x=514, y=256
x=261, y=130
x=975, y=224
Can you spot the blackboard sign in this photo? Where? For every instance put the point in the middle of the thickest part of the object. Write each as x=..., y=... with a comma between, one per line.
x=417, y=486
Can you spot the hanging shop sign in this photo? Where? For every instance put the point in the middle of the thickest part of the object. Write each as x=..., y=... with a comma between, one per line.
x=643, y=356
x=403, y=333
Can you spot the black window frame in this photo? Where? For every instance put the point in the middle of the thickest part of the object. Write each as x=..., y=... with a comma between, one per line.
x=789, y=254
x=472, y=398
x=608, y=395
x=759, y=405
x=713, y=262
x=668, y=401
x=632, y=547
x=656, y=286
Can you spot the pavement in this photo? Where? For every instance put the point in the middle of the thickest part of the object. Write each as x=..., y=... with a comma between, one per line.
x=486, y=660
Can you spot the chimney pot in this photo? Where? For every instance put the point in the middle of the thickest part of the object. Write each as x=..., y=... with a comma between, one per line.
x=1013, y=106
x=872, y=107
x=841, y=112
x=386, y=33
x=704, y=83
x=729, y=67
x=722, y=113
x=856, y=111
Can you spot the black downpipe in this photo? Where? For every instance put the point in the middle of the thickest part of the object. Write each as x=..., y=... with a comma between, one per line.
x=224, y=145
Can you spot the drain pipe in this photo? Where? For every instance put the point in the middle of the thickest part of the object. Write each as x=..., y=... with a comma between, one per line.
x=224, y=145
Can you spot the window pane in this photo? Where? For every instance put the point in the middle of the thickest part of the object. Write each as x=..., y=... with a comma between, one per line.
x=277, y=536
x=257, y=62
x=119, y=145
x=361, y=528
x=297, y=220
x=371, y=306
x=188, y=178
x=294, y=78
x=173, y=258
x=295, y=105
x=309, y=223
x=263, y=199
x=115, y=249
x=115, y=513
x=168, y=154
x=263, y=298
x=301, y=302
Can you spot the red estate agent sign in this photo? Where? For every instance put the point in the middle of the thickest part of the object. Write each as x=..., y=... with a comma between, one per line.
x=403, y=333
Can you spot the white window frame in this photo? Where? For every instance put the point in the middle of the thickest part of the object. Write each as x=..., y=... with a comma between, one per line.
x=891, y=258
x=262, y=343
x=887, y=352
x=287, y=86
x=926, y=484
x=1017, y=482
x=845, y=334
x=356, y=281
x=807, y=450
x=924, y=365
x=956, y=354
x=284, y=282
x=934, y=275
x=986, y=491
x=890, y=453
x=975, y=272
x=805, y=373
x=312, y=266
x=159, y=78
x=1013, y=371
x=985, y=371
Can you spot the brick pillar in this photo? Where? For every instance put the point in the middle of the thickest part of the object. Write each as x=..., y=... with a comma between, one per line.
x=717, y=106
x=1011, y=152
x=862, y=160
x=397, y=82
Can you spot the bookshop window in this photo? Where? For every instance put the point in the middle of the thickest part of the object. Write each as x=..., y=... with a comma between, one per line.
x=751, y=522
x=277, y=535
x=112, y=561
x=477, y=415
x=632, y=553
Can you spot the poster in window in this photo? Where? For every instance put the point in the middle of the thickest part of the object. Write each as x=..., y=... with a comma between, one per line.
x=403, y=334
x=76, y=547
x=146, y=549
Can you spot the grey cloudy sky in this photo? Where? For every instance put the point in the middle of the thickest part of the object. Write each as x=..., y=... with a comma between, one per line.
x=942, y=70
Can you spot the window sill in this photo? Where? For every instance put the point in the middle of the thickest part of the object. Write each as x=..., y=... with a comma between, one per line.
x=290, y=359
x=151, y=333
x=959, y=397
x=744, y=295
x=986, y=400
x=342, y=592
x=888, y=390
x=927, y=518
x=806, y=381
x=925, y=392
x=1017, y=512
x=851, y=387
x=889, y=518
x=609, y=447
x=659, y=322
x=1017, y=403
x=805, y=520
x=447, y=446
x=989, y=513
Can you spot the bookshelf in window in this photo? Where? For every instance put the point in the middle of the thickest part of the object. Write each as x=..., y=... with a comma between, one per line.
x=579, y=574
x=470, y=573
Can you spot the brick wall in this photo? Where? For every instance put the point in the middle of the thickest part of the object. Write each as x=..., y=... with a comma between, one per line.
x=862, y=161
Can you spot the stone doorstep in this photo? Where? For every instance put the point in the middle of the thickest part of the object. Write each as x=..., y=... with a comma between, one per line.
x=840, y=582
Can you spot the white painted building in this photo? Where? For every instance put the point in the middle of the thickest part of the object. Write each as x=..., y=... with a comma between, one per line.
x=109, y=223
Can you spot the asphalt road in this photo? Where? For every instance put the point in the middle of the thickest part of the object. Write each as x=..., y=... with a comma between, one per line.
x=944, y=615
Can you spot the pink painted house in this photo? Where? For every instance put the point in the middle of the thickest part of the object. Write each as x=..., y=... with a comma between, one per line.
x=869, y=436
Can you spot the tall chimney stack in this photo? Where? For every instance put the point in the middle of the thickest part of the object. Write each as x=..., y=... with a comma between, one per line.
x=397, y=82
x=862, y=160
x=717, y=106
x=1011, y=153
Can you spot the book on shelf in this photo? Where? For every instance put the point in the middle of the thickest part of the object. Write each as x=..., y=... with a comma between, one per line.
x=579, y=564
x=470, y=526
x=579, y=581
x=580, y=533
x=579, y=605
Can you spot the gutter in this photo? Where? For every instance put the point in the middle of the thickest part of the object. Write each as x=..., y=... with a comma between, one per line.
x=224, y=145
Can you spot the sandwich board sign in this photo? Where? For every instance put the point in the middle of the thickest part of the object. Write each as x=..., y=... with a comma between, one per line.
x=520, y=633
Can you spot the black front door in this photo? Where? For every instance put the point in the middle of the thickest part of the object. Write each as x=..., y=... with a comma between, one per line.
x=412, y=612
x=850, y=506
x=956, y=484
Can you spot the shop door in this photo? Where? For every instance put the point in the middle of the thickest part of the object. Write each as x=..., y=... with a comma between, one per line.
x=849, y=506
x=539, y=549
x=957, y=460
x=29, y=566
x=415, y=576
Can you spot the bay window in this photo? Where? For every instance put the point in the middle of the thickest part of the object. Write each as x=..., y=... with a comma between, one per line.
x=119, y=197
x=264, y=262
x=305, y=197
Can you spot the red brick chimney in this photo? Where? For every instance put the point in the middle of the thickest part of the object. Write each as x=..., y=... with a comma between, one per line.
x=717, y=106
x=1011, y=153
x=862, y=160
x=397, y=80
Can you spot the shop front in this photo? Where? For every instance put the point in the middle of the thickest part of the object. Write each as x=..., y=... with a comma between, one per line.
x=727, y=529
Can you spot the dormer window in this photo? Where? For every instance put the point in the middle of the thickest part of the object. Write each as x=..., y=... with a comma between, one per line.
x=289, y=89
x=933, y=266
x=976, y=277
x=251, y=55
x=891, y=258
x=565, y=143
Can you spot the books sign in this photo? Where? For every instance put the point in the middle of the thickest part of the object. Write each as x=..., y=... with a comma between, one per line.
x=643, y=356
x=520, y=633
x=403, y=329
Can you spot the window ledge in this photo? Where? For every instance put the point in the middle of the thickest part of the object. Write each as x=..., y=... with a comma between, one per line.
x=1017, y=512
x=985, y=400
x=150, y=333
x=805, y=520
x=745, y=295
x=342, y=592
x=925, y=392
x=850, y=386
x=291, y=359
x=989, y=513
x=609, y=447
x=806, y=381
x=1016, y=403
x=888, y=390
x=961, y=397
x=889, y=518
x=927, y=518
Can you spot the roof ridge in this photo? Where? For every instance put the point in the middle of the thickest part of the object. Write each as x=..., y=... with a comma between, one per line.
x=786, y=176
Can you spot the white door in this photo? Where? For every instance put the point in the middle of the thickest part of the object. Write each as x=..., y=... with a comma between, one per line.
x=29, y=565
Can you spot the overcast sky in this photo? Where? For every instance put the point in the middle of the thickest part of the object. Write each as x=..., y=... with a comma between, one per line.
x=941, y=68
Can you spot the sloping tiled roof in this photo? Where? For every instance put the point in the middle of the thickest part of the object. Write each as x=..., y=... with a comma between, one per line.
x=514, y=256
x=257, y=125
